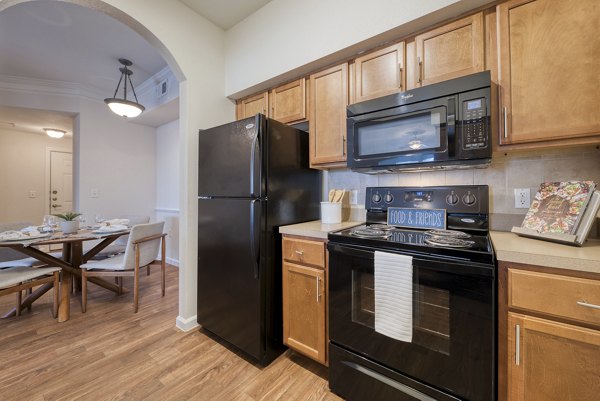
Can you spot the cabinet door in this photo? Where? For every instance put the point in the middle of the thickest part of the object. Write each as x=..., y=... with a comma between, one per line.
x=328, y=102
x=450, y=51
x=288, y=102
x=551, y=361
x=252, y=105
x=379, y=73
x=549, y=69
x=304, y=310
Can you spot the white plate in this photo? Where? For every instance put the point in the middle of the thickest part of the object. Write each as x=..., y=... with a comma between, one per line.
x=27, y=237
x=108, y=231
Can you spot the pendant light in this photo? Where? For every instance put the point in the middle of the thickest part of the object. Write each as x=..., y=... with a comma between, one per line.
x=124, y=107
x=55, y=133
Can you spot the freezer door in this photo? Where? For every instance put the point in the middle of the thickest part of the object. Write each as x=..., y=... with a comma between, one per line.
x=230, y=159
x=229, y=283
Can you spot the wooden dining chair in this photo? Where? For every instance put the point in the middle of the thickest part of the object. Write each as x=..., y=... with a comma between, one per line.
x=17, y=279
x=143, y=245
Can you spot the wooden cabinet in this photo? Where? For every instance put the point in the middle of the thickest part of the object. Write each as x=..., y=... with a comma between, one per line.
x=379, y=73
x=305, y=297
x=548, y=70
x=288, y=102
x=328, y=102
x=549, y=334
x=251, y=105
x=450, y=51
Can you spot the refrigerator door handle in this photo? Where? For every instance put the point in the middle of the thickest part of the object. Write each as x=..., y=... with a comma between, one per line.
x=253, y=240
x=255, y=142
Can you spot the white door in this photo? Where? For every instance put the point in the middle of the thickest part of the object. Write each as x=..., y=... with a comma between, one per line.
x=61, y=182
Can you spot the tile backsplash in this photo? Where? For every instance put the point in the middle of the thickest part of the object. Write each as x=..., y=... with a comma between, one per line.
x=506, y=172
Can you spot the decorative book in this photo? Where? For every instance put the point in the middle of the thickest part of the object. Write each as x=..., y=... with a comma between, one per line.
x=558, y=207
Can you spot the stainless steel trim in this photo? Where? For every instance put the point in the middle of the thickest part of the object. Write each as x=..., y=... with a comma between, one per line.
x=517, y=345
x=390, y=382
x=588, y=305
x=505, y=121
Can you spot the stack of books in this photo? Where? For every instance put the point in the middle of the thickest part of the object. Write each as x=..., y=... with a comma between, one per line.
x=562, y=212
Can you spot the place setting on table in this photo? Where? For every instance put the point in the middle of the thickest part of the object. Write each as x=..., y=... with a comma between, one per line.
x=71, y=230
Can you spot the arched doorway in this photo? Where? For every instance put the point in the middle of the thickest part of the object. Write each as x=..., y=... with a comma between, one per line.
x=193, y=49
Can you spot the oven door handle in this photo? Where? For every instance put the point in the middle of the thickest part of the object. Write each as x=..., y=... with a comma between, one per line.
x=351, y=251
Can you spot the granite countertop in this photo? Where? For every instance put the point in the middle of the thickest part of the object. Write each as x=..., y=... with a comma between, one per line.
x=316, y=229
x=512, y=248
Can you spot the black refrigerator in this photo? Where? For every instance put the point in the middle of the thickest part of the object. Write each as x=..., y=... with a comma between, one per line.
x=253, y=177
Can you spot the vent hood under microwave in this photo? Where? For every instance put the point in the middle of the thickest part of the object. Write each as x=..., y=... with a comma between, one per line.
x=446, y=125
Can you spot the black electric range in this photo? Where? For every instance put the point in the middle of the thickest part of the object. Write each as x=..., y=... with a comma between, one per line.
x=452, y=354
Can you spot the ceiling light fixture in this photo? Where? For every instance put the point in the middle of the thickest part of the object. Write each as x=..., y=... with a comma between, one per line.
x=55, y=133
x=124, y=107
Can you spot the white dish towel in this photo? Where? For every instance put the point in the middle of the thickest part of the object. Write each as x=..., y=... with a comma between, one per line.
x=394, y=295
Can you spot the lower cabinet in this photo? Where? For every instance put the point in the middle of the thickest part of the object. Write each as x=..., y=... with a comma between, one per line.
x=552, y=361
x=305, y=298
x=549, y=334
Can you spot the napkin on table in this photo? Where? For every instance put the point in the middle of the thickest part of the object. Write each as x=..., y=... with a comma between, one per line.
x=113, y=227
x=10, y=235
x=116, y=222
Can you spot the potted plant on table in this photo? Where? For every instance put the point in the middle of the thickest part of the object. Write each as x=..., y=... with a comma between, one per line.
x=69, y=225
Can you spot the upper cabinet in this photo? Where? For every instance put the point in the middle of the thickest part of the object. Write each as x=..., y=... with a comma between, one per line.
x=548, y=70
x=379, y=73
x=450, y=51
x=288, y=102
x=328, y=102
x=251, y=105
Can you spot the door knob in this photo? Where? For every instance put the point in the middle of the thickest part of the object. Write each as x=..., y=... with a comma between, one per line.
x=55, y=205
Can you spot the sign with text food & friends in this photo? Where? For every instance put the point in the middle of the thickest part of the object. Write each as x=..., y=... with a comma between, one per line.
x=417, y=218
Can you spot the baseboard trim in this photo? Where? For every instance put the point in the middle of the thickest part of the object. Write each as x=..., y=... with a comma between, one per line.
x=188, y=324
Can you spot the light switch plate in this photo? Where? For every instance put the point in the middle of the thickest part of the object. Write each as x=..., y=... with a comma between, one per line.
x=94, y=193
x=354, y=197
x=522, y=198
x=33, y=193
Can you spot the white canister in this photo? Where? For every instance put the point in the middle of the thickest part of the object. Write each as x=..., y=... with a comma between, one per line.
x=331, y=212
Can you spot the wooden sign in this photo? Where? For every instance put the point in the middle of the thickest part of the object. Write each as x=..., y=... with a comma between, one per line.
x=417, y=218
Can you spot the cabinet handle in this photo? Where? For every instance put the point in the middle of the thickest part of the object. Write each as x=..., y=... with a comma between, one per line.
x=583, y=303
x=505, y=120
x=420, y=68
x=400, y=77
x=299, y=252
x=318, y=295
x=343, y=145
x=517, y=345
x=272, y=111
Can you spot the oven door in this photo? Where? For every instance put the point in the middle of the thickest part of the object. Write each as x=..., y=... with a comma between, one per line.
x=453, y=342
x=419, y=133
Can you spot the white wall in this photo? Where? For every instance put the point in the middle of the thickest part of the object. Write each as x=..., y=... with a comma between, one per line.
x=167, y=185
x=289, y=38
x=23, y=169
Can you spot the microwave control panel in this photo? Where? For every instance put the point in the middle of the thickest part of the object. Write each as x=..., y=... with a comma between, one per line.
x=474, y=132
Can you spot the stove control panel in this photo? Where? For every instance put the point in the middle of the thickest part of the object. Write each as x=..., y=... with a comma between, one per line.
x=455, y=199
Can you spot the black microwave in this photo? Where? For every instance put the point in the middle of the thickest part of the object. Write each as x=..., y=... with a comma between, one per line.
x=446, y=125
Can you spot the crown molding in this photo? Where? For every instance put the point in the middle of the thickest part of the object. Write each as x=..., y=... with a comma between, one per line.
x=48, y=87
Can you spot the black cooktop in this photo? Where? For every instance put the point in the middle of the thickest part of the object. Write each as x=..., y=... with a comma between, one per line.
x=478, y=247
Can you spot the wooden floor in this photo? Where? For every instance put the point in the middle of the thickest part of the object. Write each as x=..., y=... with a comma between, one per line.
x=112, y=353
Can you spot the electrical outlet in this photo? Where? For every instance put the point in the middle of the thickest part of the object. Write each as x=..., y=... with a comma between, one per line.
x=33, y=194
x=354, y=197
x=522, y=198
x=94, y=193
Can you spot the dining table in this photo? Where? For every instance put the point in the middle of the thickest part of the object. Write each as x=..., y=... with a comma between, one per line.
x=73, y=256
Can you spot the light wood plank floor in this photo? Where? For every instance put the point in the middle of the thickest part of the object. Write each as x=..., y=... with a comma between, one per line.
x=112, y=353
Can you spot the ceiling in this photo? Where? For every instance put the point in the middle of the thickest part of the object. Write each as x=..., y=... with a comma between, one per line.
x=33, y=121
x=58, y=41
x=225, y=13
